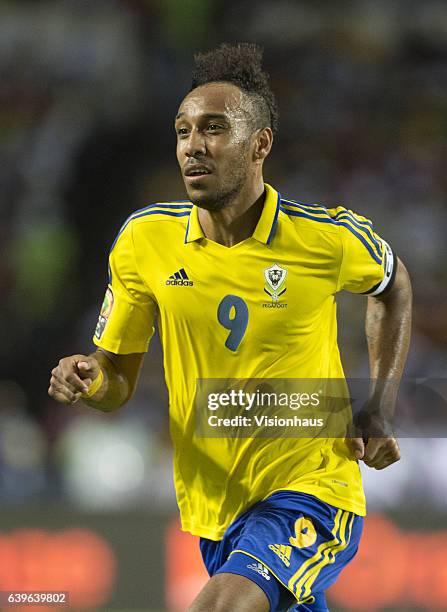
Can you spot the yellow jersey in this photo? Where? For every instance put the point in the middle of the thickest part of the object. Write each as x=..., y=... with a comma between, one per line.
x=264, y=308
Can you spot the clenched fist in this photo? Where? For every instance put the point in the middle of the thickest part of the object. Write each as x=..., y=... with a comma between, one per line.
x=377, y=453
x=72, y=377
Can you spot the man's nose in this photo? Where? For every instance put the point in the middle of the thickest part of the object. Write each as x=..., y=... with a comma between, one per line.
x=195, y=144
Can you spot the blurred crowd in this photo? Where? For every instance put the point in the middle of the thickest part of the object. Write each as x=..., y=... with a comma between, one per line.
x=88, y=92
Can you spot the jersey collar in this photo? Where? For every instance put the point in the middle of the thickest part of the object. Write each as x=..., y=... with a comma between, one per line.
x=264, y=230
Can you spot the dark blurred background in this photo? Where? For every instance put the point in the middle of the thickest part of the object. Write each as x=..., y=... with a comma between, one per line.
x=88, y=92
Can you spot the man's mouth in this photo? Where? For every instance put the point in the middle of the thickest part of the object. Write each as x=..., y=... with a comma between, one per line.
x=196, y=170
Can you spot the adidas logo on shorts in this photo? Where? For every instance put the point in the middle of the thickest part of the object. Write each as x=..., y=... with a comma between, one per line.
x=260, y=569
x=283, y=551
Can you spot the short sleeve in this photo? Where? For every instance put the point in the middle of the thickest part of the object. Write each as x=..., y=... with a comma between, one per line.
x=368, y=263
x=126, y=321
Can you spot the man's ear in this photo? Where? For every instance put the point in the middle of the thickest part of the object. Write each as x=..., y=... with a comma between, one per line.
x=263, y=144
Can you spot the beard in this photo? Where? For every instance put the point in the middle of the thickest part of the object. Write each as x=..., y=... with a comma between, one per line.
x=224, y=194
x=221, y=197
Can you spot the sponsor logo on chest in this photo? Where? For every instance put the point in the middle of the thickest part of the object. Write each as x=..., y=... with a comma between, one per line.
x=179, y=278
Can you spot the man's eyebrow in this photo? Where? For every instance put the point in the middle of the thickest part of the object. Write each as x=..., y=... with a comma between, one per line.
x=215, y=116
x=205, y=116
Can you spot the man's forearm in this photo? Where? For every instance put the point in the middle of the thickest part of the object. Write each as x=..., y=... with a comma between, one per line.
x=388, y=330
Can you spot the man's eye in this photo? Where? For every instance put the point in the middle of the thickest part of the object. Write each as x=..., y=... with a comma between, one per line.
x=213, y=127
x=182, y=131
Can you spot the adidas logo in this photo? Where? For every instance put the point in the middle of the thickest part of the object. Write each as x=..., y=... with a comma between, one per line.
x=283, y=552
x=179, y=278
x=259, y=569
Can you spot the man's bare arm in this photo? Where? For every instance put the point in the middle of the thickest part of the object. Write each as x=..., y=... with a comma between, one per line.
x=388, y=327
x=113, y=378
x=388, y=330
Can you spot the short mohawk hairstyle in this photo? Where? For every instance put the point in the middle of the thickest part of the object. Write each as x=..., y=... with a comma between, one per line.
x=240, y=64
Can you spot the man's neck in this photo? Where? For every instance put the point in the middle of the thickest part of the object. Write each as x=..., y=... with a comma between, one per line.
x=237, y=221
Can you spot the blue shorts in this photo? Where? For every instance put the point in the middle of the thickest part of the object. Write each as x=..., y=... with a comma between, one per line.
x=292, y=545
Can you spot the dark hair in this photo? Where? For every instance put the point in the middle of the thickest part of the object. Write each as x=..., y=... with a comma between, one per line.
x=240, y=64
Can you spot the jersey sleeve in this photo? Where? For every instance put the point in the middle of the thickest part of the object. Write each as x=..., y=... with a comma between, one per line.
x=126, y=321
x=368, y=263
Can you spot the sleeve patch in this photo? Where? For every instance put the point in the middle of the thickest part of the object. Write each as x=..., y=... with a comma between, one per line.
x=104, y=314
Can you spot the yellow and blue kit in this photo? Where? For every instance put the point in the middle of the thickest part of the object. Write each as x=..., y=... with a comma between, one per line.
x=264, y=308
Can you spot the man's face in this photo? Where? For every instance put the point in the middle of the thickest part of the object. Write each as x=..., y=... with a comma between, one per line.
x=214, y=144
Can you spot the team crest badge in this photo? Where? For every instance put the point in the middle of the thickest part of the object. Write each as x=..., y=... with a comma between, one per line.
x=106, y=309
x=275, y=281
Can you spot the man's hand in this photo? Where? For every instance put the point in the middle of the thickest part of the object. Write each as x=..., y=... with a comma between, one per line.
x=72, y=377
x=377, y=453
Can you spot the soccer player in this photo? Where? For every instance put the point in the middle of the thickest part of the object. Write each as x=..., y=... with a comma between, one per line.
x=243, y=284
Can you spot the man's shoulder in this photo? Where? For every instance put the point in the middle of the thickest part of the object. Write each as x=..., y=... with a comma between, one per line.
x=160, y=212
x=346, y=228
x=312, y=215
